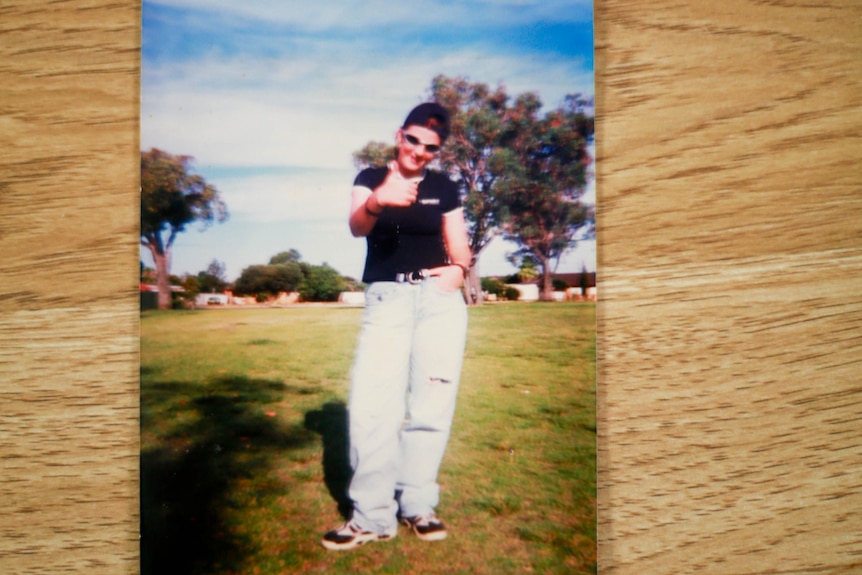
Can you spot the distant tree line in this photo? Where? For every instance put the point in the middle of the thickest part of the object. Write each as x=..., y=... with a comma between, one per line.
x=285, y=273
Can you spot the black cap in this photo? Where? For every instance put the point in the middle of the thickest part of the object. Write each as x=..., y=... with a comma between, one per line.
x=430, y=115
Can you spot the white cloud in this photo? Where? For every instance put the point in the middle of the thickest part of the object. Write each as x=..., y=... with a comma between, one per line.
x=380, y=14
x=317, y=111
x=300, y=197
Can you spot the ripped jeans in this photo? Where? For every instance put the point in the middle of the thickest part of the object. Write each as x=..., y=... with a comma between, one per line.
x=403, y=389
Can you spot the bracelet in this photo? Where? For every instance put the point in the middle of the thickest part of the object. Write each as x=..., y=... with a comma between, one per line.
x=368, y=210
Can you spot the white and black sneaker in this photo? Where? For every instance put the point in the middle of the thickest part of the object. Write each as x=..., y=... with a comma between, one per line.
x=426, y=527
x=351, y=535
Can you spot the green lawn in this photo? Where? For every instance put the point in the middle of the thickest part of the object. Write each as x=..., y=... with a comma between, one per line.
x=244, y=454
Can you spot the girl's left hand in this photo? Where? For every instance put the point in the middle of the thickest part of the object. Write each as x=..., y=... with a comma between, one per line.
x=450, y=277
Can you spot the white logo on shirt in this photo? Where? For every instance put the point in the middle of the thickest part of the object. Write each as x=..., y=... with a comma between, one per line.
x=430, y=201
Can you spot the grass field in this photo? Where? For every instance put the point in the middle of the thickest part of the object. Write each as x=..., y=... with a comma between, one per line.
x=244, y=454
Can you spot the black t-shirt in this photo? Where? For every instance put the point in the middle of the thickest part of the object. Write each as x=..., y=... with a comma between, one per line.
x=408, y=239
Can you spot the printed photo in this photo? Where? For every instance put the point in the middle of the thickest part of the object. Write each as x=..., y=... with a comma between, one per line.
x=368, y=287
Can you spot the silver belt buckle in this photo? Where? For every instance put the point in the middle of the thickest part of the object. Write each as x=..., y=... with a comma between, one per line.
x=416, y=277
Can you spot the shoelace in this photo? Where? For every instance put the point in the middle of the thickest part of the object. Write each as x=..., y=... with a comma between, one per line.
x=351, y=527
x=426, y=519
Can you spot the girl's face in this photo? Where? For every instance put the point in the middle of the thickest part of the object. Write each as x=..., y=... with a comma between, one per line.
x=413, y=149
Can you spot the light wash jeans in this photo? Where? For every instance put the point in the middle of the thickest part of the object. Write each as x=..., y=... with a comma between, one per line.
x=404, y=384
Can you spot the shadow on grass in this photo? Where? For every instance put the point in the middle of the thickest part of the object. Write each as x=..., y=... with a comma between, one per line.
x=216, y=447
x=331, y=423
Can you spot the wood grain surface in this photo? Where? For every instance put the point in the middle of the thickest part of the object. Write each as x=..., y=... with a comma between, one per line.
x=730, y=335
x=730, y=254
x=69, y=206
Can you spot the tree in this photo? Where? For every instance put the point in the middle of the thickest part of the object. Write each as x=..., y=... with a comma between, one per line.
x=373, y=154
x=213, y=279
x=474, y=156
x=493, y=286
x=191, y=286
x=526, y=264
x=172, y=197
x=290, y=256
x=269, y=280
x=490, y=148
x=546, y=176
x=148, y=274
x=321, y=283
x=584, y=282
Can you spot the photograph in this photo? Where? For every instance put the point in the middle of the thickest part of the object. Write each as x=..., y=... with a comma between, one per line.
x=368, y=287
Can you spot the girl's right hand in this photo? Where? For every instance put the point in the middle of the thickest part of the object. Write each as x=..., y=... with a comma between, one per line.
x=396, y=191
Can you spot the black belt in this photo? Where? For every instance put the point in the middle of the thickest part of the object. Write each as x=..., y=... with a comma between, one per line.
x=412, y=277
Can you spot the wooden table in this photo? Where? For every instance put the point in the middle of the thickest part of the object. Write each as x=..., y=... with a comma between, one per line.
x=730, y=305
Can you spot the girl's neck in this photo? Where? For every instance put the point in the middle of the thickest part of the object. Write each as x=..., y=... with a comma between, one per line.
x=406, y=174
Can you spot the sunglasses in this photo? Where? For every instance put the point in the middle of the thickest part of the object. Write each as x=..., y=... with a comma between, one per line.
x=414, y=141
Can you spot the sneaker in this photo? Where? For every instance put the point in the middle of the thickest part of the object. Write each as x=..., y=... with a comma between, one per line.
x=350, y=535
x=426, y=527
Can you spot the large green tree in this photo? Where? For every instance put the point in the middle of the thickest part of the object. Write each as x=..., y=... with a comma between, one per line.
x=546, y=163
x=321, y=283
x=474, y=156
x=521, y=172
x=290, y=256
x=265, y=281
x=172, y=197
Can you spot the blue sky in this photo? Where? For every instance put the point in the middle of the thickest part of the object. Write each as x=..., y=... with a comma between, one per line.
x=271, y=98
